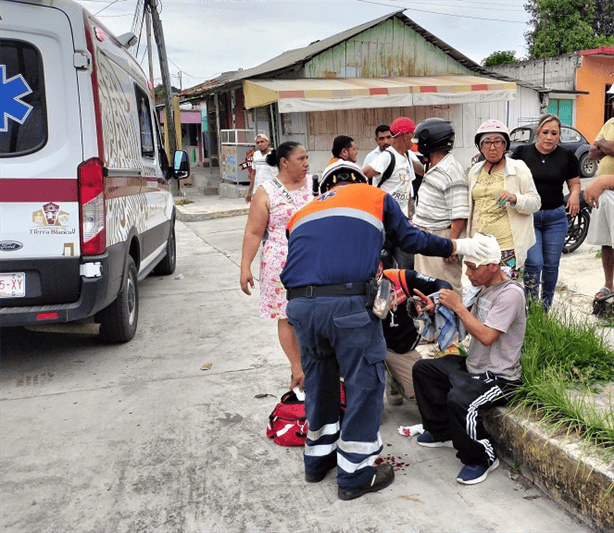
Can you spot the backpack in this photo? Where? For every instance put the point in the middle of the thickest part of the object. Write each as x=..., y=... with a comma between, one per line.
x=388, y=172
x=288, y=424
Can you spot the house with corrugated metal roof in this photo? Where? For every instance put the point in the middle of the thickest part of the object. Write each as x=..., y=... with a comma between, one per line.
x=355, y=80
x=578, y=83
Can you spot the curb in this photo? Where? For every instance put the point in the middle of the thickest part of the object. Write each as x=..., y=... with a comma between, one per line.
x=186, y=216
x=562, y=467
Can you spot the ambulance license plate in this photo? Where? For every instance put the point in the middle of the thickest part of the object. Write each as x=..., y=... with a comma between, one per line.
x=12, y=285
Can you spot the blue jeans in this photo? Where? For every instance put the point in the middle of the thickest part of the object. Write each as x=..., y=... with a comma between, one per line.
x=542, y=265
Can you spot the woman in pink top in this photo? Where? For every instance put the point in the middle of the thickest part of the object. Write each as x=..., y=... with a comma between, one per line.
x=271, y=208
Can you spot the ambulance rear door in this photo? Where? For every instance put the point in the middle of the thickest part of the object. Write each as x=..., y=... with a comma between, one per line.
x=41, y=141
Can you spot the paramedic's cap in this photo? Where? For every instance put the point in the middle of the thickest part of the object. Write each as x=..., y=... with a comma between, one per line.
x=402, y=125
x=493, y=256
x=262, y=136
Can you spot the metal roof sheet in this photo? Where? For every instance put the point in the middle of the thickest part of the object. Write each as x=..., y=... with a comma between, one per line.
x=298, y=57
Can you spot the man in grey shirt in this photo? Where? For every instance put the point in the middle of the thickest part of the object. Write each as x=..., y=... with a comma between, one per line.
x=452, y=390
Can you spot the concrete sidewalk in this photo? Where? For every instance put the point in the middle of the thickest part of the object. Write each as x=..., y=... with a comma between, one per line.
x=166, y=433
x=207, y=196
x=569, y=472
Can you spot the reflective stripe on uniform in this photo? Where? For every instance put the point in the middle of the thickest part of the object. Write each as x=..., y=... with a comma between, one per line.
x=350, y=467
x=320, y=450
x=326, y=429
x=361, y=197
x=362, y=448
x=341, y=212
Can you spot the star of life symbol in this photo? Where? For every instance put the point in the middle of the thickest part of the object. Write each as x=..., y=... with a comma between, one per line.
x=11, y=93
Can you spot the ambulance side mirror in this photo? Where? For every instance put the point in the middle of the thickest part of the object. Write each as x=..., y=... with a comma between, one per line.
x=181, y=165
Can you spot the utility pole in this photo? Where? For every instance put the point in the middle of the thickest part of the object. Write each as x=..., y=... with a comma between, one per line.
x=150, y=53
x=166, y=81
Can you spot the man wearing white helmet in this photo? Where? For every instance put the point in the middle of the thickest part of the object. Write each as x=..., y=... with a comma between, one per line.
x=601, y=229
x=452, y=390
x=334, y=247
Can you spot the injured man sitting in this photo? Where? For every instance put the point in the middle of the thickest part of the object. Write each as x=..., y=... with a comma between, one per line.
x=451, y=391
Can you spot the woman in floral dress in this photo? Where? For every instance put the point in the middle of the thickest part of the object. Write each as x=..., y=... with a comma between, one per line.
x=271, y=208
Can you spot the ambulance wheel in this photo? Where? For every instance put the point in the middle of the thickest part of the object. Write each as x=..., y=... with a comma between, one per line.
x=167, y=266
x=118, y=321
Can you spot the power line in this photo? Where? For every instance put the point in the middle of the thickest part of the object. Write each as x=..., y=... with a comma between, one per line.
x=444, y=14
x=465, y=3
x=105, y=7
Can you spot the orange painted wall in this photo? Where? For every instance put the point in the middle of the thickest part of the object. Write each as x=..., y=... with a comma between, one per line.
x=592, y=76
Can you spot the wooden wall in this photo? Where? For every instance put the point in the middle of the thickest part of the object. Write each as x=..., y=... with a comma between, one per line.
x=360, y=124
x=387, y=50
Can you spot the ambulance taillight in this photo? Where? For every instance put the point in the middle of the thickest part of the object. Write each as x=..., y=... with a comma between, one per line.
x=91, y=206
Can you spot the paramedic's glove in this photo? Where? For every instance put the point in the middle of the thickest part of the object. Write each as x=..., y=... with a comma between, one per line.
x=470, y=247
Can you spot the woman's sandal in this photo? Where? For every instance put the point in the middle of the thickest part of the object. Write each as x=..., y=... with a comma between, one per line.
x=601, y=306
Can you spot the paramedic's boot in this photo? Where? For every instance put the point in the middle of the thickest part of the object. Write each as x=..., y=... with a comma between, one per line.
x=382, y=477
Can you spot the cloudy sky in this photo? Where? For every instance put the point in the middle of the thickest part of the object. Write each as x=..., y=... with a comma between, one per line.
x=207, y=37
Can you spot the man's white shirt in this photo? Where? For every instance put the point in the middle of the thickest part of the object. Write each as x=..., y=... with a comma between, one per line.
x=399, y=184
x=263, y=171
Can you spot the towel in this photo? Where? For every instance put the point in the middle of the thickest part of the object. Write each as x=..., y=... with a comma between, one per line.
x=444, y=325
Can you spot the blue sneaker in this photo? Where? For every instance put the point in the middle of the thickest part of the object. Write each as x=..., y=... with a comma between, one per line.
x=426, y=439
x=472, y=474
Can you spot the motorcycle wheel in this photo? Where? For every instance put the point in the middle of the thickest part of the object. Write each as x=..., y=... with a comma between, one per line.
x=577, y=228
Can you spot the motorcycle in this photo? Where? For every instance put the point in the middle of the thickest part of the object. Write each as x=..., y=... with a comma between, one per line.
x=577, y=227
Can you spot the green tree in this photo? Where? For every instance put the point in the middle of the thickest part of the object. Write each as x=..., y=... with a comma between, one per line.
x=502, y=57
x=560, y=27
x=603, y=24
x=602, y=40
x=159, y=91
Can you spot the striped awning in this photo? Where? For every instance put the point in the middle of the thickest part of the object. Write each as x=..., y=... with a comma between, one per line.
x=317, y=94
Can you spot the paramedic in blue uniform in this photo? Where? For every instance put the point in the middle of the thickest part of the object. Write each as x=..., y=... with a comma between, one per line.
x=334, y=246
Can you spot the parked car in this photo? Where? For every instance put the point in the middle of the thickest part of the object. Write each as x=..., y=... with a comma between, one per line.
x=86, y=210
x=571, y=139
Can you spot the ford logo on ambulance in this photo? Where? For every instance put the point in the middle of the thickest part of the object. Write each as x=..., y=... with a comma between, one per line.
x=10, y=246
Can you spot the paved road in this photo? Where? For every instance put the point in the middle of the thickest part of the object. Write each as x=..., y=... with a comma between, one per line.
x=137, y=438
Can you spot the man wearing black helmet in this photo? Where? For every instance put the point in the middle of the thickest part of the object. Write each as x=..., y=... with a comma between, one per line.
x=443, y=208
x=334, y=247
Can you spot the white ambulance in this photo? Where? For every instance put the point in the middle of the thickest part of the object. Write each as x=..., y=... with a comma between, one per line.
x=85, y=204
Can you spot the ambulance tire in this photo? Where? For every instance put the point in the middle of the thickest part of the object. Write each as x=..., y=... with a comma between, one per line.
x=119, y=320
x=167, y=266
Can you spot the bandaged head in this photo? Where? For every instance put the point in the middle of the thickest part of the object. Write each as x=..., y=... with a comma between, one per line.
x=492, y=253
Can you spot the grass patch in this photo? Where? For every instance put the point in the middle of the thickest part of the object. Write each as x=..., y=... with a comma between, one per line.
x=606, y=322
x=566, y=363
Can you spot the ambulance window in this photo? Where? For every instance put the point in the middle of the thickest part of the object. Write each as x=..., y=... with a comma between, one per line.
x=145, y=125
x=23, y=122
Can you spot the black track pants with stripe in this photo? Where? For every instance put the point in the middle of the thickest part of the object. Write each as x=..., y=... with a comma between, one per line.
x=450, y=401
